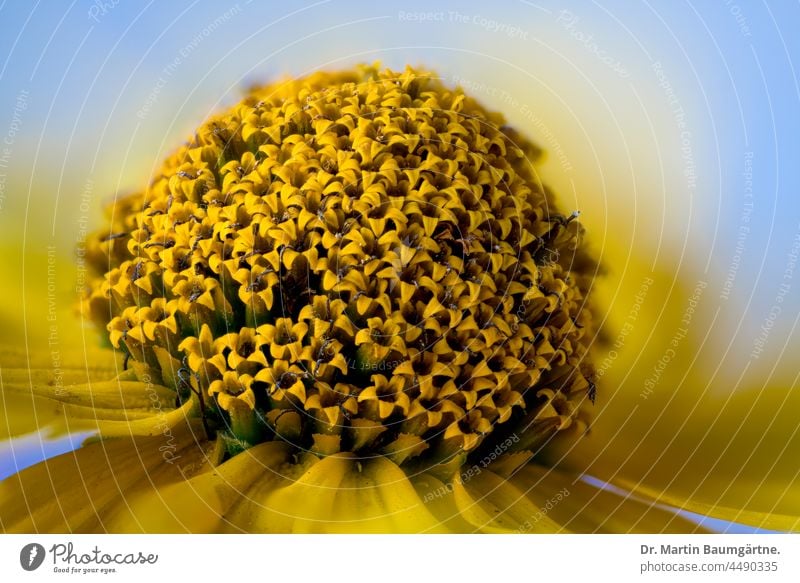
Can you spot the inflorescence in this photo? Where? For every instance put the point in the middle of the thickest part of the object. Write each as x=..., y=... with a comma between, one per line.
x=362, y=261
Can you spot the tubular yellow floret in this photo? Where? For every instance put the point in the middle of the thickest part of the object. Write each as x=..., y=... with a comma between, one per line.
x=361, y=261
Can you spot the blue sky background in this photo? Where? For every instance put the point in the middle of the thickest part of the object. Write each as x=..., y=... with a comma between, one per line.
x=627, y=97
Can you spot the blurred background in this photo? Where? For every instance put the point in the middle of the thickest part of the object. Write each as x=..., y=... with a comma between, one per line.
x=672, y=127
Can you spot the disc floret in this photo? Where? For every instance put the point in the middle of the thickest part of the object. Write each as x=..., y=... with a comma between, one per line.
x=362, y=262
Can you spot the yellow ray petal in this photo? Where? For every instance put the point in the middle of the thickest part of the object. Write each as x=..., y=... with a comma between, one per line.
x=581, y=507
x=29, y=381
x=492, y=504
x=439, y=500
x=87, y=490
x=767, y=519
x=72, y=398
x=681, y=427
x=335, y=494
x=261, y=490
x=199, y=504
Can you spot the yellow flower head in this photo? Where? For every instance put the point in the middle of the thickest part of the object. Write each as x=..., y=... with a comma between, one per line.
x=358, y=262
x=349, y=305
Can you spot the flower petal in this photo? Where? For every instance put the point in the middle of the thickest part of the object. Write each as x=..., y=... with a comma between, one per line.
x=439, y=500
x=493, y=504
x=263, y=490
x=27, y=380
x=88, y=490
x=672, y=424
x=765, y=520
x=582, y=507
x=71, y=398
x=334, y=494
